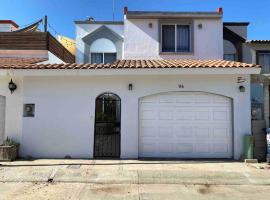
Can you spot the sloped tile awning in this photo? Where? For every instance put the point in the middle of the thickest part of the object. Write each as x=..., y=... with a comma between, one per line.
x=136, y=64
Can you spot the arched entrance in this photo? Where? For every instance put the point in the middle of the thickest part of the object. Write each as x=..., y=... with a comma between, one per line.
x=107, y=126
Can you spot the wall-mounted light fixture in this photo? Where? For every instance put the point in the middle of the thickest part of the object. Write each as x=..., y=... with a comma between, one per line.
x=130, y=87
x=150, y=25
x=242, y=88
x=200, y=26
x=12, y=86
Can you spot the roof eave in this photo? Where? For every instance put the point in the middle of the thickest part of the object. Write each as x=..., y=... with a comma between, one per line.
x=161, y=15
x=124, y=72
x=100, y=22
x=236, y=23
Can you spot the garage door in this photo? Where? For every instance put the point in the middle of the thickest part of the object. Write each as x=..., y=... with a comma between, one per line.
x=2, y=117
x=185, y=125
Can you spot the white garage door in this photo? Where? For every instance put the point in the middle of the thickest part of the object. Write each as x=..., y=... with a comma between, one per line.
x=2, y=117
x=185, y=125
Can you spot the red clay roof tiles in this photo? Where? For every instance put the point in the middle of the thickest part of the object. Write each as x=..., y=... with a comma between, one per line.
x=136, y=64
x=9, y=61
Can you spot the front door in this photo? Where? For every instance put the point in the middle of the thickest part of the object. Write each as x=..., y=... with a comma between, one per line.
x=107, y=126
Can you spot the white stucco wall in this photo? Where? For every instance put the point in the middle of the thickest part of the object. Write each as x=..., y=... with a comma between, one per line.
x=142, y=42
x=13, y=114
x=65, y=109
x=52, y=59
x=84, y=29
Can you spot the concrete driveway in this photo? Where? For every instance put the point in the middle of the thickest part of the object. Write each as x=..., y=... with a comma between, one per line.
x=133, y=179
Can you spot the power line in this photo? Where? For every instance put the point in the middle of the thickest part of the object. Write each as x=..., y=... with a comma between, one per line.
x=53, y=29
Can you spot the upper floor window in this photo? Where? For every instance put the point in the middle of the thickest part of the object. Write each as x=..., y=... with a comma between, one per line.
x=264, y=61
x=103, y=58
x=176, y=38
x=103, y=51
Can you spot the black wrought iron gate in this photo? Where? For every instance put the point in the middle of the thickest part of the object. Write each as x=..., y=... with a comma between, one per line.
x=107, y=126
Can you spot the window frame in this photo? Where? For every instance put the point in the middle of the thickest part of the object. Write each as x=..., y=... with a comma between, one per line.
x=175, y=24
x=103, y=55
x=258, y=52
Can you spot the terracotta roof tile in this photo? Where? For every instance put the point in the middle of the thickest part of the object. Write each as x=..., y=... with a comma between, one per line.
x=6, y=61
x=137, y=64
x=258, y=41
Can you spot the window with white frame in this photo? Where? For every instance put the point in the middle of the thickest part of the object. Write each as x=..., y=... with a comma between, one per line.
x=103, y=51
x=103, y=58
x=175, y=38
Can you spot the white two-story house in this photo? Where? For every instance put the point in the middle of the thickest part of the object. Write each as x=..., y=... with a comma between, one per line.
x=153, y=85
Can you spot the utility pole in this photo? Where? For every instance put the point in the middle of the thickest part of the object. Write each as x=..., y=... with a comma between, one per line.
x=113, y=10
x=45, y=23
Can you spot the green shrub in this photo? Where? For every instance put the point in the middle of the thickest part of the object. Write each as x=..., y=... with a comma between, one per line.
x=9, y=142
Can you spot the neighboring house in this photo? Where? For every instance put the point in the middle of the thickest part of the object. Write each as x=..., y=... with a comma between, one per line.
x=237, y=47
x=68, y=43
x=29, y=43
x=169, y=95
x=26, y=46
x=8, y=26
x=258, y=52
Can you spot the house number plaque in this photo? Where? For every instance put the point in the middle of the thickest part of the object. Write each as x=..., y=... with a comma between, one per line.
x=181, y=86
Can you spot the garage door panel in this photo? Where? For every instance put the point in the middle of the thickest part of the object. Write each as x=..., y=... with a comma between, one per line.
x=220, y=100
x=184, y=115
x=202, y=148
x=221, y=133
x=202, y=132
x=221, y=148
x=165, y=115
x=184, y=148
x=148, y=148
x=185, y=125
x=202, y=99
x=168, y=99
x=167, y=148
x=148, y=115
x=202, y=115
x=184, y=98
x=165, y=131
x=149, y=100
x=148, y=131
x=220, y=116
x=183, y=131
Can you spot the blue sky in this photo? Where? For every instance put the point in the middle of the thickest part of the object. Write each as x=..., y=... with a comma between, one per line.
x=62, y=13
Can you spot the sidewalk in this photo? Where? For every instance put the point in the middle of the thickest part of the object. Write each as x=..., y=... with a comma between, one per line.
x=133, y=180
x=135, y=172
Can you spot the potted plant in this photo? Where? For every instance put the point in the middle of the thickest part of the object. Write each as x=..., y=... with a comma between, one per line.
x=9, y=150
